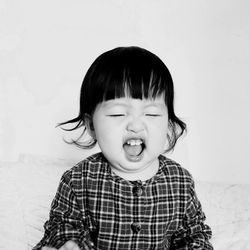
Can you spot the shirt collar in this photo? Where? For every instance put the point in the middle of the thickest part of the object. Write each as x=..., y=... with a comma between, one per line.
x=117, y=178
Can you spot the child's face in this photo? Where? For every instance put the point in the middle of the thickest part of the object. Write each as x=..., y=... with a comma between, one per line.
x=131, y=132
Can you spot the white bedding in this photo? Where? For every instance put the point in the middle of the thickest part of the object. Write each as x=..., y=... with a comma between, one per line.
x=28, y=187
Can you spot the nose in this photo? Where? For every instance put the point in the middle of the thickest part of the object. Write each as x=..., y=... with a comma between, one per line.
x=135, y=125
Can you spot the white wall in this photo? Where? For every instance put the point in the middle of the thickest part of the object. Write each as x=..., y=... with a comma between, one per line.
x=47, y=46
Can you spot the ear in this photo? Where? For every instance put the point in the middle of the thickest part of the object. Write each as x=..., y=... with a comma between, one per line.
x=88, y=122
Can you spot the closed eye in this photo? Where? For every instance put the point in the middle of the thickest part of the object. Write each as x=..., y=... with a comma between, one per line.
x=116, y=115
x=154, y=115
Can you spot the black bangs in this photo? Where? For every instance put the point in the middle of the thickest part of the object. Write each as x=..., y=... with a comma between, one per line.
x=132, y=85
x=130, y=72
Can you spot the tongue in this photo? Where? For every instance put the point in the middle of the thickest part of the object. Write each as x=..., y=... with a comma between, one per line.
x=133, y=150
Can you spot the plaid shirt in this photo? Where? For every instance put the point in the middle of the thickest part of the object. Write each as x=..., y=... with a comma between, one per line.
x=99, y=210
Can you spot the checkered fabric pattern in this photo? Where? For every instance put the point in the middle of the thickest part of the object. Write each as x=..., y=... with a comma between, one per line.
x=99, y=210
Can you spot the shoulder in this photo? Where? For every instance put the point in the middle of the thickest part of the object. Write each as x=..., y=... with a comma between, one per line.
x=92, y=165
x=97, y=159
x=174, y=172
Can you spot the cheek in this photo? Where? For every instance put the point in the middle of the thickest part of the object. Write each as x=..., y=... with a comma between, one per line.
x=159, y=137
x=101, y=128
x=159, y=140
x=108, y=137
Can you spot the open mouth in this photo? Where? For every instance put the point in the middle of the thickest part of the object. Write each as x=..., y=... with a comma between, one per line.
x=134, y=148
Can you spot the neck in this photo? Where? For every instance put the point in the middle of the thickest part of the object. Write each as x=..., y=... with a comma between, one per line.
x=141, y=175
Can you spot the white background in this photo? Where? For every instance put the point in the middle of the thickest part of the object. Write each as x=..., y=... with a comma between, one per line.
x=47, y=46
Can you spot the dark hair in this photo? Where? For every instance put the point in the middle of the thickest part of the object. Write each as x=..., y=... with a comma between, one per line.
x=126, y=71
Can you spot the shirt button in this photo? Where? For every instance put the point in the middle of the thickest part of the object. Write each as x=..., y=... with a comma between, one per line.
x=136, y=227
x=138, y=191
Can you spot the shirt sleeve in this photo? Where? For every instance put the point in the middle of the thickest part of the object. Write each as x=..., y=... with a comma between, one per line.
x=193, y=233
x=66, y=221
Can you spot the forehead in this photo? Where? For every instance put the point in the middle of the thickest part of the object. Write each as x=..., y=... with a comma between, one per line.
x=130, y=102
